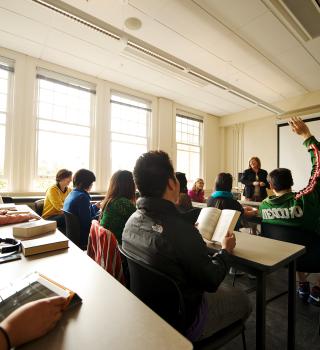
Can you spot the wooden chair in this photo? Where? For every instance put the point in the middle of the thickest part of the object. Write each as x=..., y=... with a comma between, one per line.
x=162, y=294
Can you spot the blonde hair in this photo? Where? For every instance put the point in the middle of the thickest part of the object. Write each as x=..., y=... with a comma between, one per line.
x=257, y=160
x=194, y=187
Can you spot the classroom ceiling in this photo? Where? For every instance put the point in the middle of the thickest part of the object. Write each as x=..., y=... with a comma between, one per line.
x=249, y=46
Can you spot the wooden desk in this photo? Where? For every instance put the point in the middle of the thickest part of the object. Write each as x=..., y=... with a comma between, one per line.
x=199, y=205
x=260, y=256
x=110, y=316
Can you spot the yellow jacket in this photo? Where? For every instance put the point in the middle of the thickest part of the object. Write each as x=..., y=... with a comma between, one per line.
x=54, y=200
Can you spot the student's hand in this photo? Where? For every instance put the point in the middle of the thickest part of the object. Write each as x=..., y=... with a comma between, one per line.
x=255, y=183
x=229, y=242
x=299, y=127
x=98, y=205
x=33, y=320
x=3, y=212
x=262, y=184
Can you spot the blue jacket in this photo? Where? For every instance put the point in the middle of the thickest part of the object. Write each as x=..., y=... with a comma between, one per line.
x=78, y=203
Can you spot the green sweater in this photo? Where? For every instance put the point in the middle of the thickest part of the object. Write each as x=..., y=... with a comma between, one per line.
x=300, y=209
x=115, y=216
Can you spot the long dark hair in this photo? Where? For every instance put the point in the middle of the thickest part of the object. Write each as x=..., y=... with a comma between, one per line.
x=121, y=185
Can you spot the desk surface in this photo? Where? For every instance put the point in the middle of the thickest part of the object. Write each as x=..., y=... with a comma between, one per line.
x=263, y=253
x=110, y=316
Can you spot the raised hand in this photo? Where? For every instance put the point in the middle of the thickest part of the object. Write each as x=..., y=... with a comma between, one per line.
x=299, y=127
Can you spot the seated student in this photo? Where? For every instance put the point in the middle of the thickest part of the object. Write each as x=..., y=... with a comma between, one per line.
x=157, y=235
x=55, y=197
x=30, y=321
x=119, y=203
x=196, y=193
x=7, y=219
x=222, y=198
x=184, y=204
x=300, y=209
x=78, y=202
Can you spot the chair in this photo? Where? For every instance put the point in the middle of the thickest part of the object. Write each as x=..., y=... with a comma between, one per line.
x=103, y=249
x=311, y=240
x=6, y=200
x=162, y=294
x=38, y=205
x=73, y=228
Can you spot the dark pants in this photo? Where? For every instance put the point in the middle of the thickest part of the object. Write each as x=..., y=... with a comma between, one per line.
x=61, y=224
x=225, y=306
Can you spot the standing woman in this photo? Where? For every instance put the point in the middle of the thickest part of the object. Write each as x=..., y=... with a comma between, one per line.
x=119, y=203
x=255, y=180
x=55, y=197
x=196, y=193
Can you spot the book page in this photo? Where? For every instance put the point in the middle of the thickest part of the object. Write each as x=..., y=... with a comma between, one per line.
x=207, y=221
x=227, y=222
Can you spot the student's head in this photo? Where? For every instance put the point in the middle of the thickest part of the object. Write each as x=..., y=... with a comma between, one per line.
x=63, y=178
x=198, y=185
x=182, y=181
x=280, y=179
x=254, y=162
x=83, y=179
x=223, y=182
x=154, y=176
x=121, y=185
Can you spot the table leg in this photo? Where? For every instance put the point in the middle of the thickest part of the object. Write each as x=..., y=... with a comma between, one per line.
x=261, y=312
x=291, y=305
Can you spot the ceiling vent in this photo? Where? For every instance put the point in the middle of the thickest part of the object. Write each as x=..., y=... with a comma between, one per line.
x=302, y=17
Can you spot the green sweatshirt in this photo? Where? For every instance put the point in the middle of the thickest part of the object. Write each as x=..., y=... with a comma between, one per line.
x=300, y=209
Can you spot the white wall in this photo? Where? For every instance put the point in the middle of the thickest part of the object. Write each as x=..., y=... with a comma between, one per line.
x=254, y=133
x=21, y=130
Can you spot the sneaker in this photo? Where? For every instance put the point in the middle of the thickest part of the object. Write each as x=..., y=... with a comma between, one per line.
x=304, y=291
x=314, y=297
x=233, y=272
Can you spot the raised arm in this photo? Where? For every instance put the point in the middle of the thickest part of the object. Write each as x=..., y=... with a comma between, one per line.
x=299, y=127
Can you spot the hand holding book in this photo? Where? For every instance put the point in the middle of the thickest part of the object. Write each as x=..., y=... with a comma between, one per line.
x=229, y=242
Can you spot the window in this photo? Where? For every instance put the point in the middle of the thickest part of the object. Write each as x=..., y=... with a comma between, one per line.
x=64, y=113
x=188, y=138
x=130, y=119
x=6, y=72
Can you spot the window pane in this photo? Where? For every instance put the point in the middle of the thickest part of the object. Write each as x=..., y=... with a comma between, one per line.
x=71, y=152
x=188, y=138
x=129, y=131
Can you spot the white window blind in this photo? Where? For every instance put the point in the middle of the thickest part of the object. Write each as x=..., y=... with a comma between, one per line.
x=130, y=120
x=189, y=146
x=64, y=119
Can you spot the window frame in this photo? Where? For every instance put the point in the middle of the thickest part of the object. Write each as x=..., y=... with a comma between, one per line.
x=8, y=65
x=185, y=115
x=69, y=81
x=148, y=109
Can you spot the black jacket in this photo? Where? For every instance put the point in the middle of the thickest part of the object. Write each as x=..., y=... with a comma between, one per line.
x=157, y=234
x=248, y=177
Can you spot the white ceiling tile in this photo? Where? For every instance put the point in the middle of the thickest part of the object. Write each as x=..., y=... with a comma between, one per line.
x=267, y=34
x=19, y=44
x=21, y=26
x=70, y=61
x=233, y=13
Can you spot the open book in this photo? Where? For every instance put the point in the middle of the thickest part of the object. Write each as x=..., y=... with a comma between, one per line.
x=214, y=224
x=30, y=288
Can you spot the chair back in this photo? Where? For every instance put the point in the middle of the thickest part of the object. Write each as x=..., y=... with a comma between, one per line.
x=103, y=249
x=38, y=205
x=157, y=290
x=309, y=262
x=73, y=228
x=6, y=200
